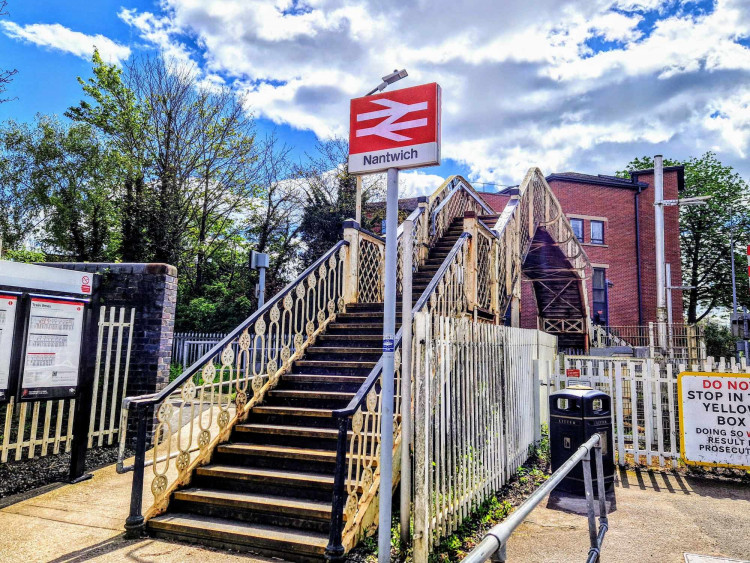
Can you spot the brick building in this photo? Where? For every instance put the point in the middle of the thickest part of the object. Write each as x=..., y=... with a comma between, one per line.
x=614, y=219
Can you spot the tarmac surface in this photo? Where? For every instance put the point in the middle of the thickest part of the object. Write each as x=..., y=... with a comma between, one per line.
x=655, y=517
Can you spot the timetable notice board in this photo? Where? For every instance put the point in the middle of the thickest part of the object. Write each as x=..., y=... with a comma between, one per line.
x=8, y=307
x=53, y=348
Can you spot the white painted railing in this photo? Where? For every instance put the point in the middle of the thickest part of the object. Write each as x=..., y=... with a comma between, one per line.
x=645, y=409
x=476, y=416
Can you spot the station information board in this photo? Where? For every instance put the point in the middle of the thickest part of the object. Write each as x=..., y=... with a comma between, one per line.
x=53, y=348
x=8, y=307
x=715, y=418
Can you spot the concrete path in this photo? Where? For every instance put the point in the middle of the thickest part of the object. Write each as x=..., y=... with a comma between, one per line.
x=656, y=517
x=84, y=522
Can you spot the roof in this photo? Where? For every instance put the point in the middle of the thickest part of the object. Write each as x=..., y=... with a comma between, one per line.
x=599, y=180
x=616, y=182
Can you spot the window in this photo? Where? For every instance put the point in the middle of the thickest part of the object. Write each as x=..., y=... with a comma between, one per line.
x=577, y=225
x=599, y=286
x=597, y=232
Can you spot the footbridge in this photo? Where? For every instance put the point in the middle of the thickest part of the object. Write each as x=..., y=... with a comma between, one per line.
x=270, y=441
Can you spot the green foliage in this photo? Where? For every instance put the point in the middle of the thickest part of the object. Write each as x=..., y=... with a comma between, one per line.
x=705, y=231
x=719, y=340
x=25, y=256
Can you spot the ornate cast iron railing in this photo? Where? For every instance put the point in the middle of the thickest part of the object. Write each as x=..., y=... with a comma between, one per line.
x=357, y=477
x=452, y=202
x=198, y=409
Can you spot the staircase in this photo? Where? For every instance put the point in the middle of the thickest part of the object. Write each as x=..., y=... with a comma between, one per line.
x=269, y=489
x=435, y=258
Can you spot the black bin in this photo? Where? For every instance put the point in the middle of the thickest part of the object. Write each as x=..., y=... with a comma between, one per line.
x=576, y=414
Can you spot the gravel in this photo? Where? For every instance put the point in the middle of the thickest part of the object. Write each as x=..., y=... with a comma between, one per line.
x=29, y=474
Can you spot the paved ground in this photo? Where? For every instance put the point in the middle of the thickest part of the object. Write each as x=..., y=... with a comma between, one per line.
x=656, y=518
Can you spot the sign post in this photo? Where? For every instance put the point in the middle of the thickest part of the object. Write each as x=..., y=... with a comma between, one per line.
x=715, y=419
x=388, y=132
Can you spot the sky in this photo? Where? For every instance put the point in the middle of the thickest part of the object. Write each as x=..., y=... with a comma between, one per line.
x=579, y=85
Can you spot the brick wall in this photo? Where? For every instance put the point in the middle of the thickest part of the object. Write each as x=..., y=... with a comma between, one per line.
x=152, y=290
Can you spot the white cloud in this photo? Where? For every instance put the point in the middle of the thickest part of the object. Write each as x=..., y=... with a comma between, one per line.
x=523, y=82
x=59, y=37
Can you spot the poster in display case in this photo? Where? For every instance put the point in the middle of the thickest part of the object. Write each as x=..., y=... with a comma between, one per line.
x=53, y=348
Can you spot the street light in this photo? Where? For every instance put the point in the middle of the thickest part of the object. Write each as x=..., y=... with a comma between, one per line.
x=395, y=76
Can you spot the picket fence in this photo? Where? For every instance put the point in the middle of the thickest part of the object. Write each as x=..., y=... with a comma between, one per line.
x=476, y=416
x=644, y=393
x=46, y=427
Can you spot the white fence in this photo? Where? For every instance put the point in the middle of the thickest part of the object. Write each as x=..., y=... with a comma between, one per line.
x=476, y=416
x=644, y=393
x=46, y=427
x=189, y=347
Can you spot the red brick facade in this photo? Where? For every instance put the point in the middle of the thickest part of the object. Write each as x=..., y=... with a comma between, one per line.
x=613, y=202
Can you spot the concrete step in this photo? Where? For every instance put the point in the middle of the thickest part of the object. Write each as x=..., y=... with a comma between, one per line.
x=293, y=545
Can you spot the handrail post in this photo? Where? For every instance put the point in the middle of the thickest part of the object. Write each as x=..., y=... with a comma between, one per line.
x=470, y=273
x=351, y=268
x=335, y=549
x=135, y=523
x=423, y=234
x=589, y=489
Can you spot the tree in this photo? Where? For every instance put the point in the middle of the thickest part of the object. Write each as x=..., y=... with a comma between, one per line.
x=706, y=232
x=330, y=198
x=6, y=76
x=188, y=156
x=61, y=177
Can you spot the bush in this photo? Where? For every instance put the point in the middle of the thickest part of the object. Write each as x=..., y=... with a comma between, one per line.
x=719, y=340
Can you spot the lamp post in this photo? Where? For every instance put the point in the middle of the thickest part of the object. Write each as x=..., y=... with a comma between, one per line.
x=395, y=76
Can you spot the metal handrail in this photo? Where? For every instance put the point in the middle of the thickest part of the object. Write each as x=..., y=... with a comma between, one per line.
x=154, y=398
x=495, y=542
x=364, y=389
x=335, y=549
x=459, y=187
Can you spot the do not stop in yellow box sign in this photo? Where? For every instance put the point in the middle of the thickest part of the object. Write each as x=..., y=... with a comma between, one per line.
x=715, y=418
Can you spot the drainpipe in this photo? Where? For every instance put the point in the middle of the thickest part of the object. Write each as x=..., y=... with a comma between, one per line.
x=638, y=253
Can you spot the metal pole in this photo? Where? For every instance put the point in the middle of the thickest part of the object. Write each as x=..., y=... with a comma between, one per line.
x=406, y=420
x=661, y=309
x=734, y=284
x=358, y=209
x=261, y=287
x=389, y=329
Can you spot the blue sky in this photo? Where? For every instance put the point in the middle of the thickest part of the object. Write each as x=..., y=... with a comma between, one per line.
x=565, y=85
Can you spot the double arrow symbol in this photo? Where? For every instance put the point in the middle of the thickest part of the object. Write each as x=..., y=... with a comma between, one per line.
x=387, y=128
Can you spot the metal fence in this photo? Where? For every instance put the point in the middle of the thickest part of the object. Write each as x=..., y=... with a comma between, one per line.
x=187, y=347
x=680, y=342
x=46, y=427
x=476, y=416
x=645, y=404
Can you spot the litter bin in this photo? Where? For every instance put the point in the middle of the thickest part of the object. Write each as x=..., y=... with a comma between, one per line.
x=576, y=414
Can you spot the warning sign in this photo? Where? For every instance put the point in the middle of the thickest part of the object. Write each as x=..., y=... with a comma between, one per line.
x=572, y=373
x=715, y=419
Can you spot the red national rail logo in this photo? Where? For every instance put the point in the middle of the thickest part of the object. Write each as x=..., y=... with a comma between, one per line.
x=399, y=129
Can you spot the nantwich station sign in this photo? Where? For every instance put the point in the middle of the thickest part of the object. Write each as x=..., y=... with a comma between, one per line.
x=399, y=129
x=715, y=419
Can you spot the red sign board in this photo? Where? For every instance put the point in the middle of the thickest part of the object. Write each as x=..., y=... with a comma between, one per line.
x=398, y=129
x=572, y=373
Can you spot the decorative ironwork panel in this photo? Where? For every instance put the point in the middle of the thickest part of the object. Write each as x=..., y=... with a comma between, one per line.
x=370, y=278
x=484, y=277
